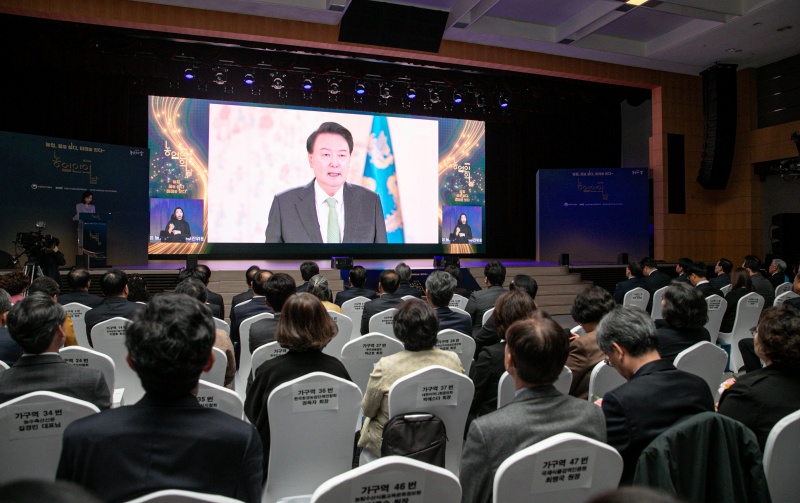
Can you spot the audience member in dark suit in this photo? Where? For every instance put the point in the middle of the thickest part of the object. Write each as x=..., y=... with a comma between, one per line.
x=439, y=291
x=250, y=308
x=116, y=304
x=404, y=273
x=761, y=398
x=761, y=285
x=387, y=286
x=247, y=295
x=481, y=301
x=740, y=286
x=79, y=281
x=653, y=278
x=588, y=309
x=777, y=271
x=682, y=270
x=214, y=299
x=304, y=329
x=635, y=280
x=685, y=314
x=51, y=259
x=10, y=351
x=656, y=396
x=723, y=273
x=307, y=271
x=277, y=289
x=487, y=335
x=167, y=440
x=137, y=289
x=455, y=271
x=697, y=277
x=534, y=357
x=356, y=278
x=512, y=306
x=36, y=323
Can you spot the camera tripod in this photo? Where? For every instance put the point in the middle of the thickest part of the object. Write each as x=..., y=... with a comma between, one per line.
x=32, y=270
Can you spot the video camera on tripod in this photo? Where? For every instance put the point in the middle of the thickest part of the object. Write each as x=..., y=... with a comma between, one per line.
x=33, y=244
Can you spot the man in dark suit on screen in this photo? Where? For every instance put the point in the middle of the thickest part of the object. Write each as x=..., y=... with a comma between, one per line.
x=656, y=396
x=535, y=352
x=327, y=209
x=37, y=324
x=167, y=440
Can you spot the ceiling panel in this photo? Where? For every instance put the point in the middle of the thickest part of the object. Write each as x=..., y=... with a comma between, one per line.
x=643, y=24
x=548, y=12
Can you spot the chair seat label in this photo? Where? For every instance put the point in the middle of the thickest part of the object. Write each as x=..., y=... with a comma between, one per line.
x=389, y=487
x=563, y=469
x=36, y=420
x=371, y=350
x=450, y=344
x=75, y=360
x=443, y=392
x=714, y=304
x=311, y=396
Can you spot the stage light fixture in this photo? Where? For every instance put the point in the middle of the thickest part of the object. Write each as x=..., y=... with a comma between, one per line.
x=480, y=101
x=411, y=93
x=360, y=88
x=307, y=84
x=434, y=96
x=277, y=83
x=503, y=101
x=457, y=97
x=220, y=76
x=333, y=87
x=249, y=79
x=189, y=74
x=386, y=91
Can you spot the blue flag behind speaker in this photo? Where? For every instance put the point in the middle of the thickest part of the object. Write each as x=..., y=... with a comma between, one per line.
x=380, y=175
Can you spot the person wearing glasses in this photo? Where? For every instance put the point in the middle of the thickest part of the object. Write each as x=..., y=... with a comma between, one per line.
x=656, y=396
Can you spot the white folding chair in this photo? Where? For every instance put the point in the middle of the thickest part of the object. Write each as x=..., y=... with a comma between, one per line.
x=265, y=353
x=780, y=299
x=216, y=374
x=780, y=456
x=181, y=496
x=705, y=360
x=577, y=330
x=214, y=396
x=90, y=358
x=658, y=296
x=345, y=326
x=716, y=310
x=360, y=355
x=409, y=297
x=591, y=467
x=31, y=429
x=461, y=344
x=506, y=388
x=406, y=396
x=396, y=474
x=383, y=322
x=487, y=316
x=638, y=297
x=782, y=288
x=108, y=337
x=725, y=289
x=77, y=311
x=3, y=366
x=748, y=311
x=603, y=379
x=458, y=301
x=458, y=310
x=245, y=358
x=222, y=325
x=353, y=309
x=311, y=422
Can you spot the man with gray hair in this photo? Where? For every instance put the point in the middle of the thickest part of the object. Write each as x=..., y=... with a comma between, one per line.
x=777, y=270
x=36, y=323
x=439, y=289
x=10, y=351
x=404, y=272
x=656, y=396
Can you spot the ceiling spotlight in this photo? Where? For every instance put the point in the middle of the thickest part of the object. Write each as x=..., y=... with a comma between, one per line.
x=333, y=87
x=220, y=76
x=277, y=83
x=307, y=84
x=249, y=79
x=386, y=91
x=360, y=88
x=457, y=97
x=503, y=101
x=434, y=96
x=411, y=93
x=480, y=101
x=189, y=73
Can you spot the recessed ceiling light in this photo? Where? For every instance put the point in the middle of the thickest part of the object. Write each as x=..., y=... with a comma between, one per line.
x=635, y=2
x=733, y=49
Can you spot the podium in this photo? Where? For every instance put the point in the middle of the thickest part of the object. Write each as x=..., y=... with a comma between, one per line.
x=93, y=229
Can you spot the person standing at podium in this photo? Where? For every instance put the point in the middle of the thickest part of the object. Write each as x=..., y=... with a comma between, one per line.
x=85, y=206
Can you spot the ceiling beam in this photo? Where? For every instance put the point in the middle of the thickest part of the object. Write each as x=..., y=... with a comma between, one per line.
x=466, y=12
